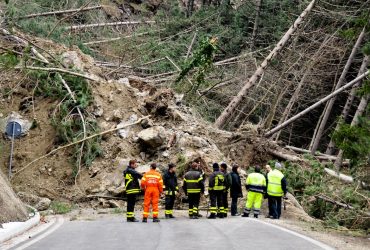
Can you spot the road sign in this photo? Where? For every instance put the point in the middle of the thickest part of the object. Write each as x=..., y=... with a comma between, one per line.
x=13, y=129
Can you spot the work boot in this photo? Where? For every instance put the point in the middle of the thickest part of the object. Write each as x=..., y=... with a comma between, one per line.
x=199, y=215
x=132, y=219
x=256, y=216
x=145, y=220
x=156, y=220
x=194, y=217
x=225, y=215
x=167, y=216
x=171, y=216
x=245, y=215
x=212, y=216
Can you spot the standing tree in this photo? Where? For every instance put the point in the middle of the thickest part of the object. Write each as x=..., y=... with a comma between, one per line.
x=327, y=111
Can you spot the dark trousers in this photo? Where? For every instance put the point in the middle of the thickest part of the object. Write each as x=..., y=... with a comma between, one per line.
x=234, y=205
x=169, y=203
x=225, y=202
x=131, y=200
x=193, y=204
x=274, y=206
x=216, y=202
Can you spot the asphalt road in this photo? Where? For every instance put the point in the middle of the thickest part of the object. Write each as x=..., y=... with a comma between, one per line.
x=182, y=233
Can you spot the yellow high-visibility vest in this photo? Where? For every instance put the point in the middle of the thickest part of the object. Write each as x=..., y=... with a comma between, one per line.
x=274, y=183
x=256, y=182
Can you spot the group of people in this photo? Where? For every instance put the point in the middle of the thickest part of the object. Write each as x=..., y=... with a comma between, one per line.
x=220, y=183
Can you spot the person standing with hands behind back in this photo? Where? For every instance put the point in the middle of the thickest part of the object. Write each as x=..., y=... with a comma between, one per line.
x=235, y=190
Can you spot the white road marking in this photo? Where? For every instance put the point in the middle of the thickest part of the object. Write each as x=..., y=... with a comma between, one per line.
x=315, y=242
x=59, y=222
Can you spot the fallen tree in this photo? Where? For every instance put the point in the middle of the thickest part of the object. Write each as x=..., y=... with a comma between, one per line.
x=315, y=105
x=60, y=12
x=337, y=203
x=97, y=25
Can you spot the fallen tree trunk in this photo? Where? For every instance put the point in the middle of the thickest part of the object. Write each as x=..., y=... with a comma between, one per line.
x=285, y=156
x=60, y=12
x=230, y=109
x=59, y=70
x=342, y=177
x=97, y=25
x=315, y=105
x=115, y=39
x=339, y=203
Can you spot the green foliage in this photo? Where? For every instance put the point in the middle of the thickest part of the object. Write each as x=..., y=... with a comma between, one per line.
x=181, y=164
x=354, y=141
x=8, y=60
x=201, y=60
x=67, y=122
x=306, y=184
x=366, y=48
x=61, y=207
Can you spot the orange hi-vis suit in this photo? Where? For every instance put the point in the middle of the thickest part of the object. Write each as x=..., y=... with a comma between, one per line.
x=152, y=183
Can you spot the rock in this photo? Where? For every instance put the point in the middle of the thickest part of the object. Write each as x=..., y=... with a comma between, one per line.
x=117, y=115
x=146, y=123
x=124, y=132
x=118, y=191
x=28, y=198
x=199, y=142
x=98, y=110
x=154, y=136
x=125, y=82
x=179, y=98
x=143, y=156
x=72, y=60
x=166, y=154
x=114, y=204
x=143, y=168
x=43, y=204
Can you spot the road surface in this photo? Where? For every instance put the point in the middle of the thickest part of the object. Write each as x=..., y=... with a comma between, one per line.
x=113, y=232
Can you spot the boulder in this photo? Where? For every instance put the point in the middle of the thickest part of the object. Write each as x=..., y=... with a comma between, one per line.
x=71, y=59
x=43, y=204
x=153, y=136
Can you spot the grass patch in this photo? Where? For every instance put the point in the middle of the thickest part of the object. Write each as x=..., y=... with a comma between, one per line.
x=61, y=207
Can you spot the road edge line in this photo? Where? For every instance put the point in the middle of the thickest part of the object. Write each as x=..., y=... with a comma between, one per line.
x=313, y=241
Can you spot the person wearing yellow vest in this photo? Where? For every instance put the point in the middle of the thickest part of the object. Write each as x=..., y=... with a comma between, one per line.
x=256, y=187
x=216, y=187
x=276, y=189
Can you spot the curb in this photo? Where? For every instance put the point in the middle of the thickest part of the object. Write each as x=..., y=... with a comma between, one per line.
x=13, y=229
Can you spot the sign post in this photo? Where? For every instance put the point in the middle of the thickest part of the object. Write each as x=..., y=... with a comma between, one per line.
x=13, y=130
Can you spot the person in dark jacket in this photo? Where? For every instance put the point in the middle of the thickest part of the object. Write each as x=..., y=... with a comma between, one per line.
x=216, y=188
x=132, y=188
x=170, y=189
x=193, y=186
x=225, y=193
x=235, y=190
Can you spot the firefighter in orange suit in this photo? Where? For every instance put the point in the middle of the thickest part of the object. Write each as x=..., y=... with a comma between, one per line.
x=152, y=184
